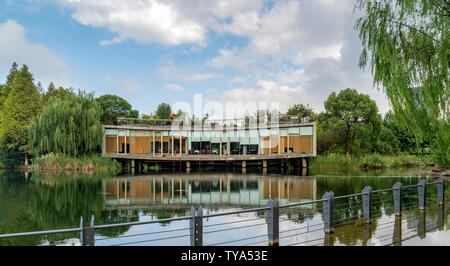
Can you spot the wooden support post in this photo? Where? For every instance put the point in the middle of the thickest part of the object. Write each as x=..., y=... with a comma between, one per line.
x=117, y=139
x=181, y=145
x=304, y=163
x=220, y=146
x=264, y=164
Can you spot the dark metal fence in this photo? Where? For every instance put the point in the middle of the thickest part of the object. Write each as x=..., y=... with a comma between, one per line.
x=358, y=207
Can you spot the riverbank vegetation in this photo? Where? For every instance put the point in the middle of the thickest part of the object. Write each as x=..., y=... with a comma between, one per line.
x=58, y=161
x=342, y=162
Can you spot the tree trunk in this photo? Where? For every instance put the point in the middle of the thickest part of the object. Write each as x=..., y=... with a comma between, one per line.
x=26, y=159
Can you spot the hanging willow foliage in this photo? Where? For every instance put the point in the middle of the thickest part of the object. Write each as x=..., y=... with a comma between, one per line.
x=71, y=126
x=406, y=45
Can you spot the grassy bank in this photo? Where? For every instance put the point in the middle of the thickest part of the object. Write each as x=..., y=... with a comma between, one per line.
x=53, y=161
x=367, y=162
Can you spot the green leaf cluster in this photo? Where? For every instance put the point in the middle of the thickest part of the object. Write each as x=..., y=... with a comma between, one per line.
x=407, y=48
x=71, y=126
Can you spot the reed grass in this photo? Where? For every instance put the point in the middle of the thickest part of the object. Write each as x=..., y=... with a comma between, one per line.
x=55, y=161
x=334, y=161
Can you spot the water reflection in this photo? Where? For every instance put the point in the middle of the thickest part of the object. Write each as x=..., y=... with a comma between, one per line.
x=214, y=191
x=34, y=202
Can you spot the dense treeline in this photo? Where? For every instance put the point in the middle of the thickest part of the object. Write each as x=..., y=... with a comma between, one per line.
x=57, y=120
x=61, y=122
x=352, y=125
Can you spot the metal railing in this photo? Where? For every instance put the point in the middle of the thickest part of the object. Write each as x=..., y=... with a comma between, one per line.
x=239, y=122
x=363, y=208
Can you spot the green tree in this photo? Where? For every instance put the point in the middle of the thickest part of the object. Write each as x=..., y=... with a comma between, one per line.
x=4, y=89
x=301, y=110
x=20, y=106
x=354, y=115
x=407, y=142
x=113, y=107
x=52, y=91
x=407, y=48
x=163, y=111
x=70, y=126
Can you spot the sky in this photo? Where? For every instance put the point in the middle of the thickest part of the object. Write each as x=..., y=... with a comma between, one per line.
x=153, y=51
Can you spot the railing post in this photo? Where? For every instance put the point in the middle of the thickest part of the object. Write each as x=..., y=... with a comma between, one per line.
x=87, y=236
x=367, y=203
x=398, y=198
x=196, y=226
x=422, y=189
x=440, y=189
x=328, y=212
x=272, y=220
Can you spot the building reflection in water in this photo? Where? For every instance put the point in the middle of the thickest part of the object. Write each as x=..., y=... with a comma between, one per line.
x=218, y=190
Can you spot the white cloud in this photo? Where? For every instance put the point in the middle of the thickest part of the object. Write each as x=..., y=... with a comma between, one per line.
x=265, y=91
x=238, y=80
x=170, y=22
x=124, y=83
x=170, y=71
x=43, y=62
x=174, y=87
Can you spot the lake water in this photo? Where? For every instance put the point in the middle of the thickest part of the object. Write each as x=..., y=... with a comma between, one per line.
x=46, y=201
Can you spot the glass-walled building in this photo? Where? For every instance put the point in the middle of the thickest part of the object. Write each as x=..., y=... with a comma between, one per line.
x=164, y=141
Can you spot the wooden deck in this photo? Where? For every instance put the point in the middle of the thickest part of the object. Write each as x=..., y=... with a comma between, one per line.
x=193, y=158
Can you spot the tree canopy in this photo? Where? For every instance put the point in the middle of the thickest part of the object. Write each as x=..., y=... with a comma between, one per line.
x=20, y=106
x=301, y=110
x=354, y=115
x=407, y=48
x=71, y=126
x=163, y=111
x=113, y=107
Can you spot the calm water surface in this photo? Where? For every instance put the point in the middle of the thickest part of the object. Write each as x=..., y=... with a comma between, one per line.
x=45, y=201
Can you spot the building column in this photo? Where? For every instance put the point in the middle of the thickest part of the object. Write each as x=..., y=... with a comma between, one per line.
x=304, y=163
x=270, y=141
x=264, y=163
x=173, y=144
x=288, y=151
x=228, y=147
x=162, y=141
x=220, y=146
x=117, y=138
x=133, y=168
x=125, y=146
x=154, y=144
x=279, y=141
x=181, y=146
x=103, y=145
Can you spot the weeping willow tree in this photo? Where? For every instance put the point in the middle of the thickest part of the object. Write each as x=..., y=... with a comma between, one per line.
x=70, y=126
x=407, y=49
